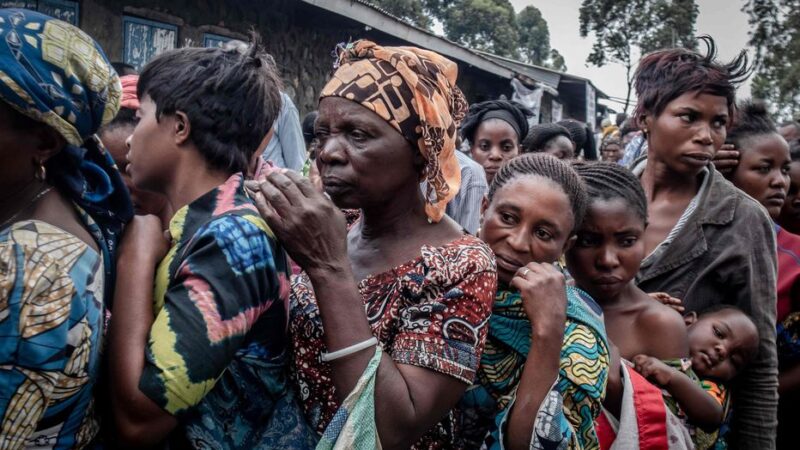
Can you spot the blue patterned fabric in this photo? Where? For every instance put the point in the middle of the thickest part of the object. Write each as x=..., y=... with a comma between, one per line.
x=55, y=73
x=51, y=323
x=566, y=417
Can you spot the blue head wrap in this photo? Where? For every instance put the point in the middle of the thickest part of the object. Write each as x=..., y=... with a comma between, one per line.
x=55, y=73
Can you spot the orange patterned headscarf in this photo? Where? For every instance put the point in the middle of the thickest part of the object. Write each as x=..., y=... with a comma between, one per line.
x=415, y=91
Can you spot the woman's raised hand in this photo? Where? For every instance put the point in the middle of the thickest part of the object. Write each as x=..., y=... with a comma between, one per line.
x=308, y=225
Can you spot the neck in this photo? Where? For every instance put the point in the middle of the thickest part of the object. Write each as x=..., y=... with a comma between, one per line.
x=18, y=199
x=396, y=218
x=191, y=179
x=658, y=179
x=622, y=299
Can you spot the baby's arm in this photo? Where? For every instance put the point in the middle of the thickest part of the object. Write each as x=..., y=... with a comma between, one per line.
x=701, y=409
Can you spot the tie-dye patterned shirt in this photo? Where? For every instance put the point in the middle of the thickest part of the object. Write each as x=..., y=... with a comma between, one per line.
x=217, y=348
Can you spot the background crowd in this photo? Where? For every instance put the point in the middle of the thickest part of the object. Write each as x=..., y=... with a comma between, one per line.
x=184, y=263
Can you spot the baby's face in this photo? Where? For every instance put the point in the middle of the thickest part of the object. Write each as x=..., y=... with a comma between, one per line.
x=721, y=344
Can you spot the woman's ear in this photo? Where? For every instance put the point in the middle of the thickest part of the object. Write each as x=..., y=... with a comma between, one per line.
x=181, y=127
x=49, y=143
x=690, y=318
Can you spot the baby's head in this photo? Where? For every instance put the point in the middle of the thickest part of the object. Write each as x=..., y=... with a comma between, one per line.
x=722, y=341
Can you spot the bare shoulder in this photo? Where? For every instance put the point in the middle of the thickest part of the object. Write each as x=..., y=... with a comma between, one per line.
x=666, y=331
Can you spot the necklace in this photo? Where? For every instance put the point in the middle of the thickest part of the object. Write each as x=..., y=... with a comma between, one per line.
x=36, y=198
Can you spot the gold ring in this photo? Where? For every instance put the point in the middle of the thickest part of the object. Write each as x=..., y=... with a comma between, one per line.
x=525, y=271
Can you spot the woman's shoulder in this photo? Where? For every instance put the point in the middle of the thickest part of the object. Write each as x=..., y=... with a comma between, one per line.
x=47, y=241
x=465, y=255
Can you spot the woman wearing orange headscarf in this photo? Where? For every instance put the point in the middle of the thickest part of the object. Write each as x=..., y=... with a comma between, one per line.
x=396, y=308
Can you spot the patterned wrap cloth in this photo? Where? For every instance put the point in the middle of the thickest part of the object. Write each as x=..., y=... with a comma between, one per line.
x=566, y=416
x=55, y=73
x=415, y=91
x=53, y=286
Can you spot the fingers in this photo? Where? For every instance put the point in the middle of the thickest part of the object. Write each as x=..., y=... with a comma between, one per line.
x=287, y=187
x=267, y=212
x=305, y=185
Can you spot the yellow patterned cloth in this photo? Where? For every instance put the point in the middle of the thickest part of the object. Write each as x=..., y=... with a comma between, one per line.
x=51, y=323
x=415, y=91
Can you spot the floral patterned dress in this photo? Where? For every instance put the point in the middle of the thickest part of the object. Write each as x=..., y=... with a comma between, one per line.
x=430, y=312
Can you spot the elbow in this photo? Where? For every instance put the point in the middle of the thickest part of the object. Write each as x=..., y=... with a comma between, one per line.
x=133, y=434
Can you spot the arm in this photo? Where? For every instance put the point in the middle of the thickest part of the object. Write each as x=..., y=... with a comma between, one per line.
x=409, y=399
x=756, y=388
x=292, y=143
x=139, y=421
x=551, y=394
x=701, y=409
x=29, y=371
x=789, y=380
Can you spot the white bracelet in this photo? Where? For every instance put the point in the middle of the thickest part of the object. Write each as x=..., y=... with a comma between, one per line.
x=355, y=348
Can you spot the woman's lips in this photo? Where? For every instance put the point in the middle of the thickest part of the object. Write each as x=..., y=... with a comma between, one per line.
x=507, y=264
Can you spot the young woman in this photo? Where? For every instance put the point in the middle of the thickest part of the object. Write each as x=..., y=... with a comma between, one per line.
x=546, y=357
x=550, y=138
x=707, y=242
x=62, y=208
x=764, y=173
x=394, y=311
x=790, y=213
x=494, y=130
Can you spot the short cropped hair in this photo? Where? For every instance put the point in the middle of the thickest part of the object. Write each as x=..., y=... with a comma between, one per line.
x=665, y=75
x=230, y=97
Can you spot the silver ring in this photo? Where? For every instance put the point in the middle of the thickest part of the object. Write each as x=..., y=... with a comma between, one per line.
x=525, y=271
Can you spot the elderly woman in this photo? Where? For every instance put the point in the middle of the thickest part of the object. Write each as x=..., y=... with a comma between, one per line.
x=707, y=242
x=394, y=311
x=62, y=208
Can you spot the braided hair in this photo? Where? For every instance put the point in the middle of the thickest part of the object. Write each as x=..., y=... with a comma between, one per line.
x=513, y=112
x=608, y=181
x=549, y=167
x=752, y=119
x=540, y=134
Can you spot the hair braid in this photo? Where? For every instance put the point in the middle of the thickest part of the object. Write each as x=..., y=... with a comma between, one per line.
x=607, y=181
x=549, y=167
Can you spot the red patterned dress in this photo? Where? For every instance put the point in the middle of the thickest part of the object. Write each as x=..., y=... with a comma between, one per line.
x=430, y=312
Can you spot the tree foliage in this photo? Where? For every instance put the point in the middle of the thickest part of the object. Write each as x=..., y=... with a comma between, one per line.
x=488, y=25
x=412, y=11
x=625, y=29
x=776, y=38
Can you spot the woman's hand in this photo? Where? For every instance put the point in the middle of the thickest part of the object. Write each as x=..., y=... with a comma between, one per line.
x=726, y=159
x=653, y=369
x=309, y=226
x=544, y=296
x=144, y=237
x=666, y=299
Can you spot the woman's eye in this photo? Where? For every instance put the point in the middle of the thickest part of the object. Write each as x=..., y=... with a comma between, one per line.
x=586, y=241
x=719, y=123
x=629, y=242
x=358, y=135
x=543, y=235
x=686, y=117
x=785, y=170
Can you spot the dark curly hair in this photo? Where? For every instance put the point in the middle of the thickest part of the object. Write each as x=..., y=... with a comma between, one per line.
x=231, y=98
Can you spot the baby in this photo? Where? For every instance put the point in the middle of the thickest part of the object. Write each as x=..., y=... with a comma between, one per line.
x=722, y=341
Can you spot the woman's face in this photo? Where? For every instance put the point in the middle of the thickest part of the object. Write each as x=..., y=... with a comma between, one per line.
x=115, y=140
x=362, y=160
x=561, y=147
x=608, y=250
x=790, y=213
x=687, y=134
x=611, y=153
x=495, y=142
x=152, y=152
x=763, y=171
x=528, y=220
x=17, y=154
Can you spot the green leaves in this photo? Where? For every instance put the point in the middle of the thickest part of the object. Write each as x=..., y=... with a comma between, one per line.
x=776, y=38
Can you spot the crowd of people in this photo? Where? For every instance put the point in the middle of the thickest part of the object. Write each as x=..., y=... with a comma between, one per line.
x=184, y=263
